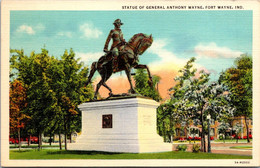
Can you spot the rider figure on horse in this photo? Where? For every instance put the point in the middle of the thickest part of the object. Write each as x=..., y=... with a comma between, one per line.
x=117, y=45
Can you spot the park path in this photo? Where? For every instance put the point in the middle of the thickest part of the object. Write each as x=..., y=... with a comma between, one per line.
x=223, y=148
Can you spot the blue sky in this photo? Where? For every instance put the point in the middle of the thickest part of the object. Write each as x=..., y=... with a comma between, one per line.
x=215, y=38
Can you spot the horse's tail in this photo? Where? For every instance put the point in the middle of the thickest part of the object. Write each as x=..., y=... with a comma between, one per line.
x=92, y=71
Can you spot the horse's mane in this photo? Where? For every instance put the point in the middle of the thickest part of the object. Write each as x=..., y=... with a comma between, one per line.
x=135, y=36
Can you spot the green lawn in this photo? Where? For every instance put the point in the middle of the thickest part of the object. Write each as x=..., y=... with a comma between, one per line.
x=241, y=147
x=57, y=154
x=233, y=140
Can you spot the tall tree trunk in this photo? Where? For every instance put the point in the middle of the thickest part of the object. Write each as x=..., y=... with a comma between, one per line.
x=65, y=135
x=247, y=130
x=50, y=139
x=171, y=127
x=19, y=138
x=60, y=141
x=231, y=124
x=202, y=125
x=202, y=141
x=65, y=140
x=15, y=140
x=39, y=140
x=29, y=140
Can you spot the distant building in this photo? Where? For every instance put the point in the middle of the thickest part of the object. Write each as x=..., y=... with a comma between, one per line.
x=184, y=131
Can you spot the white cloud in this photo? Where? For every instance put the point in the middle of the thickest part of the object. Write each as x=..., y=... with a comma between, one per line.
x=31, y=30
x=65, y=34
x=211, y=50
x=89, y=31
x=25, y=29
x=39, y=27
x=88, y=58
x=169, y=61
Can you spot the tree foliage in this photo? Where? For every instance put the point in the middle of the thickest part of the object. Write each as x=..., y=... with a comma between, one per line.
x=193, y=98
x=222, y=129
x=17, y=103
x=54, y=88
x=238, y=80
x=142, y=87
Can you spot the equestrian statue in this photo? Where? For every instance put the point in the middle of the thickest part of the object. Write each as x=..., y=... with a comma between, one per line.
x=123, y=56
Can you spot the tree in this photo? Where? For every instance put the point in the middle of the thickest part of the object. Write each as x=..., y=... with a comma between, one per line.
x=193, y=98
x=207, y=99
x=165, y=121
x=71, y=91
x=54, y=89
x=238, y=129
x=17, y=103
x=142, y=87
x=222, y=129
x=238, y=79
x=169, y=113
x=42, y=101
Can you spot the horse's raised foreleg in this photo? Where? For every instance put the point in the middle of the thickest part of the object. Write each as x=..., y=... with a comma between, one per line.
x=150, y=80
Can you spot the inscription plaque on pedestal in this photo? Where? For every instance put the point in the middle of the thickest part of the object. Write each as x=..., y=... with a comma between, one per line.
x=107, y=121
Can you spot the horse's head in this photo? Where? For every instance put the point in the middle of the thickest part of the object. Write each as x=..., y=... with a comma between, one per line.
x=140, y=43
x=145, y=44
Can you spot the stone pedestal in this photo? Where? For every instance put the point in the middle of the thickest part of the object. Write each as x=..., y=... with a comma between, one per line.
x=120, y=125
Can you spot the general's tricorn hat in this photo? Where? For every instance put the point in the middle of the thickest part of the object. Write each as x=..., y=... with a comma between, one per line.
x=118, y=21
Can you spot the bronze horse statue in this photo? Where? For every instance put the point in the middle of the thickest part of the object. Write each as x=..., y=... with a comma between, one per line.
x=127, y=59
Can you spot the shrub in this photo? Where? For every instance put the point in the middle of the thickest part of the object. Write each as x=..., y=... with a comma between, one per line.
x=181, y=147
x=228, y=137
x=221, y=137
x=196, y=148
x=244, y=137
x=211, y=138
x=250, y=136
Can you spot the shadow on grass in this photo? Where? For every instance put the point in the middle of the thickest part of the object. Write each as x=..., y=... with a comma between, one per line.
x=83, y=152
x=21, y=151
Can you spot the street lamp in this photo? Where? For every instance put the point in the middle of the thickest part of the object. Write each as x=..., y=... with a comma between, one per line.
x=209, y=147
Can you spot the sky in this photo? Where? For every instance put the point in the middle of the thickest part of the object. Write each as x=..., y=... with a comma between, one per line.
x=214, y=38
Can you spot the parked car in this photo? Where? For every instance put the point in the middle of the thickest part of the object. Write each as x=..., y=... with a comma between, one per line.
x=13, y=141
x=34, y=139
x=23, y=140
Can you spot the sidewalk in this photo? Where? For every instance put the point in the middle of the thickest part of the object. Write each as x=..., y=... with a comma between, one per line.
x=223, y=148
